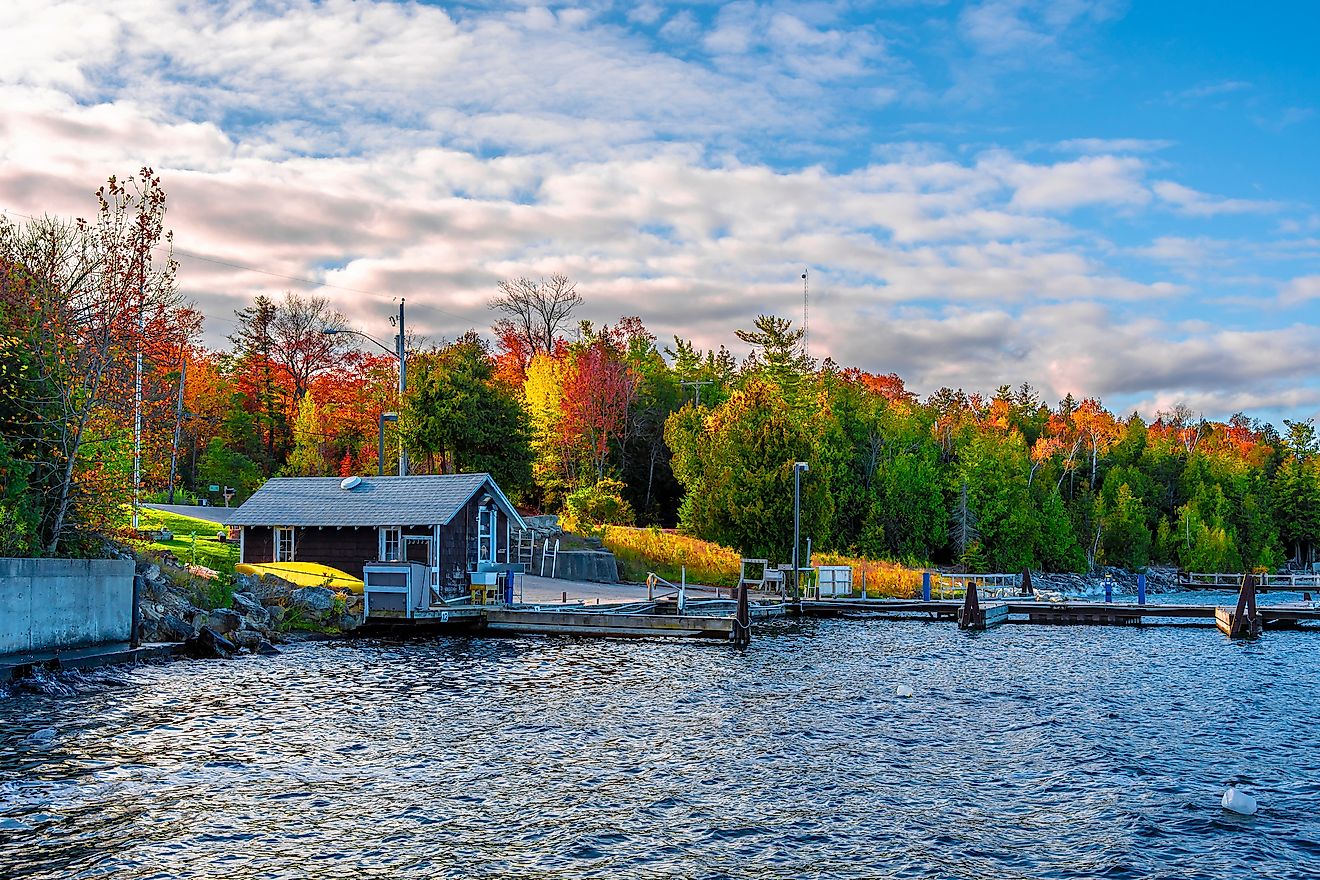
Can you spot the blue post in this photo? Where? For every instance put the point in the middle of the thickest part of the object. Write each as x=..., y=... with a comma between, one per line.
x=1109, y=590
x=925, y=586
x=1141, y=589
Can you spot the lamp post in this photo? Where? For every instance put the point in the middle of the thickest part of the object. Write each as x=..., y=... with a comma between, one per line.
x=400, y=353
x=799, y=468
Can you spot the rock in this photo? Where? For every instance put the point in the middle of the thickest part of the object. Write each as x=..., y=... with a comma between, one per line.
x=318, y=599
x=276, y=613
x=346, y=622
x=248, y=640
x=246, y=583
x=148, y=570
x=222, y=620
x=266, y=649
x=248, y=605
x=171, y=628
x=209, y=645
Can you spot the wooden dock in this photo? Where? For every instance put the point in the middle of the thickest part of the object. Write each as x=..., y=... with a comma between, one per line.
x=607, y=623
x=1053, y=613
x=661, y=617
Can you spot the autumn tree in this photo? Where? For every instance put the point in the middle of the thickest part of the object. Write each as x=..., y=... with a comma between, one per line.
x=87, y=291
x=598, y=390
x=457, y=418
x=536, y=312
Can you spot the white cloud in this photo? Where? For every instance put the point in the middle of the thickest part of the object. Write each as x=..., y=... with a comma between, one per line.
x=406, y=151
x=1199, y=204
x=1300, y=290
x=1093, y=180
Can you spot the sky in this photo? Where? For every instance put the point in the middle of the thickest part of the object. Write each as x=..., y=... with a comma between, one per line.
x=1104, y=199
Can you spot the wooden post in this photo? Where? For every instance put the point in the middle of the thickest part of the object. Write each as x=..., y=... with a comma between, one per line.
x=971, y=610
x=1244, y=621
x=742, y=628
x=1027, y=588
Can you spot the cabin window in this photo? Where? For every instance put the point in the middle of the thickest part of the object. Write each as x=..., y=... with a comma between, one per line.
x=284, y=545
x=391, y=541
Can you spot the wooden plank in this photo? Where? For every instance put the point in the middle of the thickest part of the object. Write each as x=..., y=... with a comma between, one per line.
x=579, y=623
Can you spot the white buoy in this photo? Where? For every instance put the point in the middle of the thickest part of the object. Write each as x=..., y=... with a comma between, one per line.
x=904, y=691
x=1239, y=802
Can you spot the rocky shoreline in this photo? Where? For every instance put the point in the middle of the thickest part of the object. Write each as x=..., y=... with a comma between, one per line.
x=1158, y=580
x=211, y=620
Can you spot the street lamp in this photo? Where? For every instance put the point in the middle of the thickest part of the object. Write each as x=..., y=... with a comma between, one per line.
x=400, y=353
x=799, y=468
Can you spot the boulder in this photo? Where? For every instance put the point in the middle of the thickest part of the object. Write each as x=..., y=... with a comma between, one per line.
x=222, y=620
x=276, y=613
x=316, y=599
x=210, y=645
x=249, y=606
x=248, y=640
x=266, y=649
x=169, y=628
x=148, y=570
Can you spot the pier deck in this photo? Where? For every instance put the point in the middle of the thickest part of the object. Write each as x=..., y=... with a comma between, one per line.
x=1028, y=611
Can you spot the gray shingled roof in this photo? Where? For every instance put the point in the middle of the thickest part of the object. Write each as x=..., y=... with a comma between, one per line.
x=376, y=501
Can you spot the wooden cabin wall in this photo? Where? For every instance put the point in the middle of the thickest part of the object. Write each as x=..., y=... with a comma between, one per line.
x=346, y=549
x=258, y=544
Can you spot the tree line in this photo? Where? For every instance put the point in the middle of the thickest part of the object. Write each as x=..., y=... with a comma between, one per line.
x=603, y=424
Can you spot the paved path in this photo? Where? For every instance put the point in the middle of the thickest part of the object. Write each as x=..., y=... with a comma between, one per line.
x=210, y=514
x=540, y=589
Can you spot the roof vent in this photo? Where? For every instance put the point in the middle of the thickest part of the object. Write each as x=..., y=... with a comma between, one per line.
x=350, y=483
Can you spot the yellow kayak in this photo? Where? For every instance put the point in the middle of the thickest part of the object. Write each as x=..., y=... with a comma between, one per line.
x=304, y=574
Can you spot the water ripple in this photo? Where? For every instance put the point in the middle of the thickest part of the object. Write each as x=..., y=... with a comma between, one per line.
x=1024, y=752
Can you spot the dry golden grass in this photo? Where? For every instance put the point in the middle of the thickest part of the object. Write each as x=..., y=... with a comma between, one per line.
x=666, y=552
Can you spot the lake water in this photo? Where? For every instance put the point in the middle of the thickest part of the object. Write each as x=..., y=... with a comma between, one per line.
x=1026, y=751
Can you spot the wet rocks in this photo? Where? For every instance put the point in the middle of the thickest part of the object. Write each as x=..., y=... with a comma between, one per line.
x=315, y=599
x=209, y=645
x=222, y=620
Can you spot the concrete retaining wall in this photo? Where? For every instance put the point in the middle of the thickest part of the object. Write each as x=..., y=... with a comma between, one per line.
x=49, y=604
x=598, y=566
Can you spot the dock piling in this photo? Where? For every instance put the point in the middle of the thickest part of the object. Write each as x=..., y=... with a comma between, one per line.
x=1244, y=621
x=925, y=586
x=1141, y=588
x=970, y=616
x=742, y=628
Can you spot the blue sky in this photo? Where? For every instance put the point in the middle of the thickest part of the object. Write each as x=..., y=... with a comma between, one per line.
x=1104, y=199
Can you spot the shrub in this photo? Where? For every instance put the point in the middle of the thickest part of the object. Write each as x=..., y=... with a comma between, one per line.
x=598, y=505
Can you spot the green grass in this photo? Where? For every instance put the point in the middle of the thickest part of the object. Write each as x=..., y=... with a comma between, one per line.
x=208, y=551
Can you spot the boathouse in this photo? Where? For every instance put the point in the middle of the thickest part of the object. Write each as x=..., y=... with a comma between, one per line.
x=449, y=522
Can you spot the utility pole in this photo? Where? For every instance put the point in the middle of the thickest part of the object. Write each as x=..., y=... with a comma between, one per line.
x=137, y=402
x=804, y=313
x=403, y=388
x=697, y=385
x=178, y=425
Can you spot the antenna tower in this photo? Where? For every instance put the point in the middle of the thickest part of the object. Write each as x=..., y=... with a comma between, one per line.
x=804, y=312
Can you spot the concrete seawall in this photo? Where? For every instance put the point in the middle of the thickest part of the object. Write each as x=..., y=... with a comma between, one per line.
x=586, y=565
x=49, y=604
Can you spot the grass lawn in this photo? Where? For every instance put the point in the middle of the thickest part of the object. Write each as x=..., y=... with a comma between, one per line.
x=640, y=550
x=210, y=552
